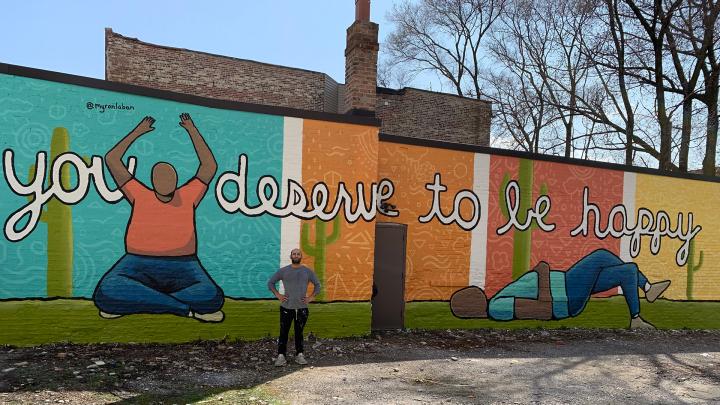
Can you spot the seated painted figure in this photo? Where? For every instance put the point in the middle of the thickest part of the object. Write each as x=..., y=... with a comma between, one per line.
x=546, y=294
x=160, y=272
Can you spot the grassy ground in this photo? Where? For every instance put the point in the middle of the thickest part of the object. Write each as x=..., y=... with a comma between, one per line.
x=604, y=313
x=25, y=323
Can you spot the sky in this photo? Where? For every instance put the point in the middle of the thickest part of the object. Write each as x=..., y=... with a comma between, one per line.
x=69, y=37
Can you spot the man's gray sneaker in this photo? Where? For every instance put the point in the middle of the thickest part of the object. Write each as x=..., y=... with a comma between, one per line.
x=300, y=359
x=280, y=361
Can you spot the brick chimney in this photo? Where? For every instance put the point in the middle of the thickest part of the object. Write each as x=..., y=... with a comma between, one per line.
x=361, y=62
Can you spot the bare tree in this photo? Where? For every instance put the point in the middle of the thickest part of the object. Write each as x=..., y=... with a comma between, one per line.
x=617, y=33
x=708, y=37
x=521, y=114
x=445, y=37
x=654, y=17
x=691, y=43
x=687, y=72
x=542, y=43
x=610, y=79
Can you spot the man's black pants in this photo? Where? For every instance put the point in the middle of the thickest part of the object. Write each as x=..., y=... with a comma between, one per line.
x=288, y=316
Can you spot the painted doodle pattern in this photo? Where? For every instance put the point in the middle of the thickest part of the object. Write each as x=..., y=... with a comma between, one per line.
x=346, y=258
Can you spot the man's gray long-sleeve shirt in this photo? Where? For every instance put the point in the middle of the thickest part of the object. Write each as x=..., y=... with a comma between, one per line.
x=295, y=280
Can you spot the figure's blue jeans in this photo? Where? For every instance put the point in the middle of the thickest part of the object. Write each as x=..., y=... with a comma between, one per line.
x=599, y=271
x=157, y=285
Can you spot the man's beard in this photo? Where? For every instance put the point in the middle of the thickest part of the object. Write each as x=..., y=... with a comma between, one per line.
x=295, y=261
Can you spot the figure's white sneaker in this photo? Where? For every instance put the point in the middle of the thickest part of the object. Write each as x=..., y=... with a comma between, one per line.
x=280, y=361
x=656, y=290
x=217, y=316
x=109, y=316
x=639, y=323
x=300, y=359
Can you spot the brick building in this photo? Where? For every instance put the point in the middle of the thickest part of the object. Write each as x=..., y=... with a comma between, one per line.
x=405, y=112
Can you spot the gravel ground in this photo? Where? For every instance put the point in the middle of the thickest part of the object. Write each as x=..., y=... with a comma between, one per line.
x=482, y=366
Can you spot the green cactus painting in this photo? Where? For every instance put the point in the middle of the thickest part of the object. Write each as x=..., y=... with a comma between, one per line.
x=692, y=268
x=319, y=250
x=58, y=218
x=521, y=239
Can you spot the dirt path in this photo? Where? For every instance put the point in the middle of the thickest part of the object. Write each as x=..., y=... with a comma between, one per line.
x=484, y=366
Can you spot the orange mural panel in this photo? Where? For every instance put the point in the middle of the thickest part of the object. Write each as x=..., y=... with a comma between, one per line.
x=341, y=253
x=438, y=256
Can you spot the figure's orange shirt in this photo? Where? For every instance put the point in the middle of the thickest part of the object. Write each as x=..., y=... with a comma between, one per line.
x=162, y=229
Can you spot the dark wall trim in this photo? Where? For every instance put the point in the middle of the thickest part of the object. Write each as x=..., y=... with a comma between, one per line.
x=401, y=92
x=183, y=98
x=546, y=158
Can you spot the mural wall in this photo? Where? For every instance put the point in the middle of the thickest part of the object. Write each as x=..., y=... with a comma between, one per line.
x=490, y=235
x=540, y=240
x=66, y=225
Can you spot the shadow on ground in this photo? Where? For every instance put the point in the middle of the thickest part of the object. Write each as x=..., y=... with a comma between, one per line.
x=238, y=371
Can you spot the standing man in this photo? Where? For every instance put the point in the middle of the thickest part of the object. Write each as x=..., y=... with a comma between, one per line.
x=160, y=272
x=293, y=304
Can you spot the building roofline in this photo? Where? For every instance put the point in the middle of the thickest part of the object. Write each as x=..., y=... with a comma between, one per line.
x=172, y=48
x=384, y=137
x=400, y=92
x=58, y=77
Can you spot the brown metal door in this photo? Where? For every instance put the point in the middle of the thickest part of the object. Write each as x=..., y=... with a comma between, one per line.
x=388, y=301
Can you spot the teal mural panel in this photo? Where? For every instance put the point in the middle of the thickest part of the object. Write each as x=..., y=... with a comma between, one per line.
x=239, y=252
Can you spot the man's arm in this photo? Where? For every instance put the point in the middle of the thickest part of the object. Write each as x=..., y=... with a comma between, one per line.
x=208, y=165
x=113, y=159
x=541, y=308
x=316, y=288
x=271, y=286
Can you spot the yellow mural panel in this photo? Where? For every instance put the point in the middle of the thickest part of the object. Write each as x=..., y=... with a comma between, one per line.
x=699, y=279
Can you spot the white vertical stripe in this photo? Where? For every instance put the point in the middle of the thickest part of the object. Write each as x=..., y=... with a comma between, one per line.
x=291, y=169
x=478, y=243
x=629, y=185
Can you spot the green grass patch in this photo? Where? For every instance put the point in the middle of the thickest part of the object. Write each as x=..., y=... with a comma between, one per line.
x=34, y=322
x=600, y=313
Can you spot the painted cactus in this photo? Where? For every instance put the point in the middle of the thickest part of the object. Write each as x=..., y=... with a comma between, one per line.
x=319, y=249
x=692, y=267
x=522, y=240
x=58, y=218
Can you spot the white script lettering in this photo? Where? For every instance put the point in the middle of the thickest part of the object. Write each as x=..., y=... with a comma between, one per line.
x=646, y=224
x=512, y=201
x=41, y=195
x=435, y=211
x=296, y=201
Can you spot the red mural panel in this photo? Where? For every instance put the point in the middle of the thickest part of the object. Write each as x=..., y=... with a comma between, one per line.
x=498, y=273
x=564, y=185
